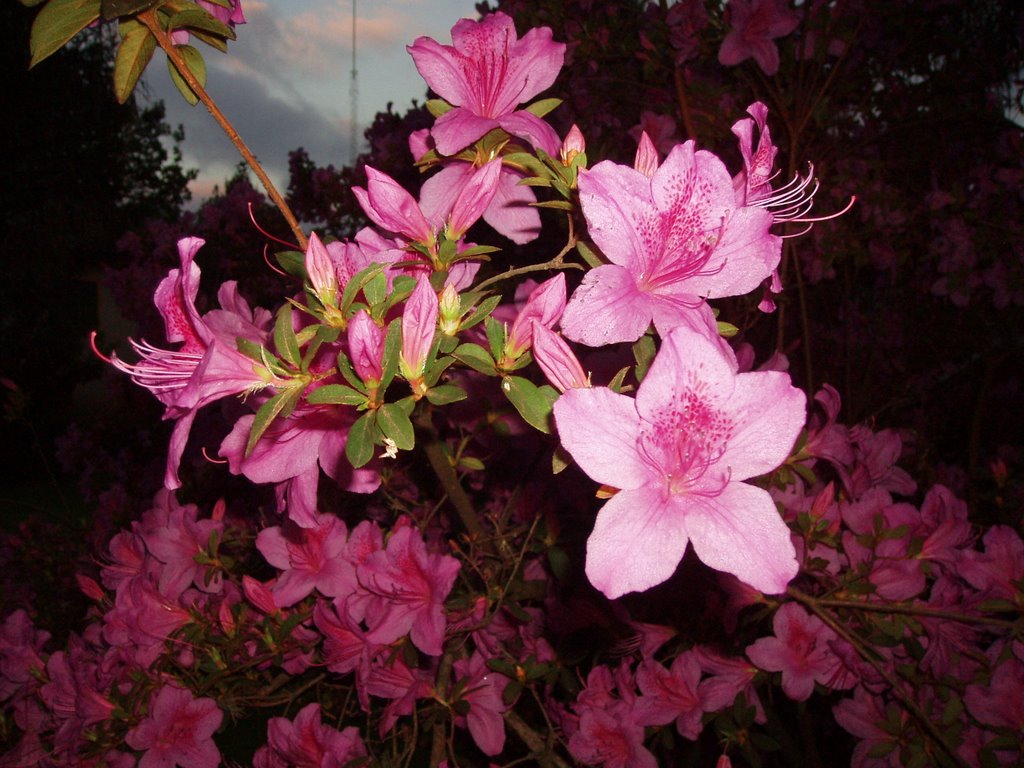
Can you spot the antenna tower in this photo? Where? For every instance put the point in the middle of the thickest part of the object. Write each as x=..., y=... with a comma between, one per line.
x=353, y=94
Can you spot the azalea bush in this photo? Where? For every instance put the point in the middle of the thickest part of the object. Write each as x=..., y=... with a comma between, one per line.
x=516, y=488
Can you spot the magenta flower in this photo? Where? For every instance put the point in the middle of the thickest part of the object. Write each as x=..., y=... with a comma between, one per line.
x=755, y=24
x=482, y=690
x=486, y=73
x=309, y=558
x=307, y=743
x=673, y=240
x=174, y=535
x=610, y=738
x=679, y=453
x=208, y=365
x=177, y=731
x=799, y=651
x=409, y=586
x=671, y=694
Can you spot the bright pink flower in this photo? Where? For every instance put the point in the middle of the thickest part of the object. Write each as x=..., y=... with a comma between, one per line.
x=208, y=366
x=307, y=743
x=610, y=738
x=755, y=24
x=409, y=586
x=391, y=678
x=174, y=535
x=799, y=651
x=679, y=453
x=419, y=324
x=486, y=73
x=673, y=240
x=309, y=558
x=671, y=694
x=177, y=731
x=482, y=690
x=544, y=307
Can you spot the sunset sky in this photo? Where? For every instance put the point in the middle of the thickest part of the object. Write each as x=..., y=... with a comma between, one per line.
x=285, y=82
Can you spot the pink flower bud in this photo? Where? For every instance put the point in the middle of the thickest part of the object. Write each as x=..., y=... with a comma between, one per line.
x=259, y=595
x=646, y=156
x=545, y=306
x=366, y=347
x=227, y=618
x=573, y=145
x=320, y=269
x=390, y=206
x=90, y=588
x=419, y=323
x=556, y=360
x=474, y=199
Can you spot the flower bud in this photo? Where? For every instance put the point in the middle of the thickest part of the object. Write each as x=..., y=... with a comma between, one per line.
x=474, y=198
x=556, y=360
x=366, y=348
x=545, y=306
x=450, y=308
x=419, y=323
x=320, y=270
x=573, y=144
x=646, y=160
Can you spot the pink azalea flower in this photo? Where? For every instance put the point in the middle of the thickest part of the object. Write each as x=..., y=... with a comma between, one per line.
x=679, y=453
x=208, y=366
x=673, y=240
x=366, y=348
x=177, y=731
x=309, y=558
x=486, y=73
x=728, y=677
x=799, y=651
x=174, y=535
x=409, y=586
x=391, y=678
x=671, y=694
x=610, y=738
x=307, y=743
x=1000, y=703
x=482, y=690
x=755, y=24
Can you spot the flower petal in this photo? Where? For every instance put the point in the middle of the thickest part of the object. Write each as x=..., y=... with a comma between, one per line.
x=607, y=308
x=768, y=413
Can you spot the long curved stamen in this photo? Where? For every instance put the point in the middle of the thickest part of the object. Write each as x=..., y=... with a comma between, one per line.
x=793, y=202
x=262, y=231
x=159, y=370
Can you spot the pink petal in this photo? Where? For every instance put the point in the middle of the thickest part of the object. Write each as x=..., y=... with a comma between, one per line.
x=639, y=538
x=536, y=131
x=615, y=197
x=740, y=532
x=768, y=413
x=607, y=308
x=604, y=448
x=746, y=255
x=510, y=212
x=441, y=67
x=458, y=128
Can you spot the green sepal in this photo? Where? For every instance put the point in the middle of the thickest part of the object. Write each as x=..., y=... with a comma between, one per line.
x=588, y=254
x=533, y=402
x=133, y=56
x=199, y=20
x=483, y=309
x=471, y=463
x=285, y=341
x=542, y=106
x=293, y=262
x=615, y=385
x=196, y=65
x=727, y=330
x=281, y=404
x=263, y=356
x=359, y=444
x=495, y=336
x=558, y=205
x=57, y=22
x=438, y=107
x=445, y=394
x=560, y=459
x=394, y=423
x=476, y=357
x=392, y=346
x=336, y=394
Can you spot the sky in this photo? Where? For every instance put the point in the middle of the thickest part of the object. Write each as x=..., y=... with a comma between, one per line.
x=285, y=82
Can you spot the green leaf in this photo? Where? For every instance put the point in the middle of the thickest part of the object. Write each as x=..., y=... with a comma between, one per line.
x=133, y=55
x=359, y=279
x=560, y=459
x=395, y=424
x=324, y=334
x=495, y=336
x=57, y=22
x=345, y=366
x=471, y=463
x=588, y=254
x=359, y=445
x=542, y=106
x=199, y=20
x=483, y=309
x=558, y=205
x=31, y=3
x=438, y=107
x=527, y=162
x=280, y=404
x=194, y=61
x=533, y=402
x=476, y=357
x=336, y=394
x=376, y=289
x=643, y=353
x=727, y=330
x=292, y=262
x=559, y=562
x=392, y=346
x=113, y=9
x=444, y=394
x=285, y=342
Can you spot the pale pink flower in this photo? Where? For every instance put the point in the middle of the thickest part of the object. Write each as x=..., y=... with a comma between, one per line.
x=486, y=73
x=177, y=731
x=679, y=453
x=673, y=240
x=755, y=25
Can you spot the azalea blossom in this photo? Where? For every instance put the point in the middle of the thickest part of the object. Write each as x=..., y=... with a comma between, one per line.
x=306, y=742
x=177, y=731
x=486, y=73
x=673, y=239
x=679, y=453
x=755, y=25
